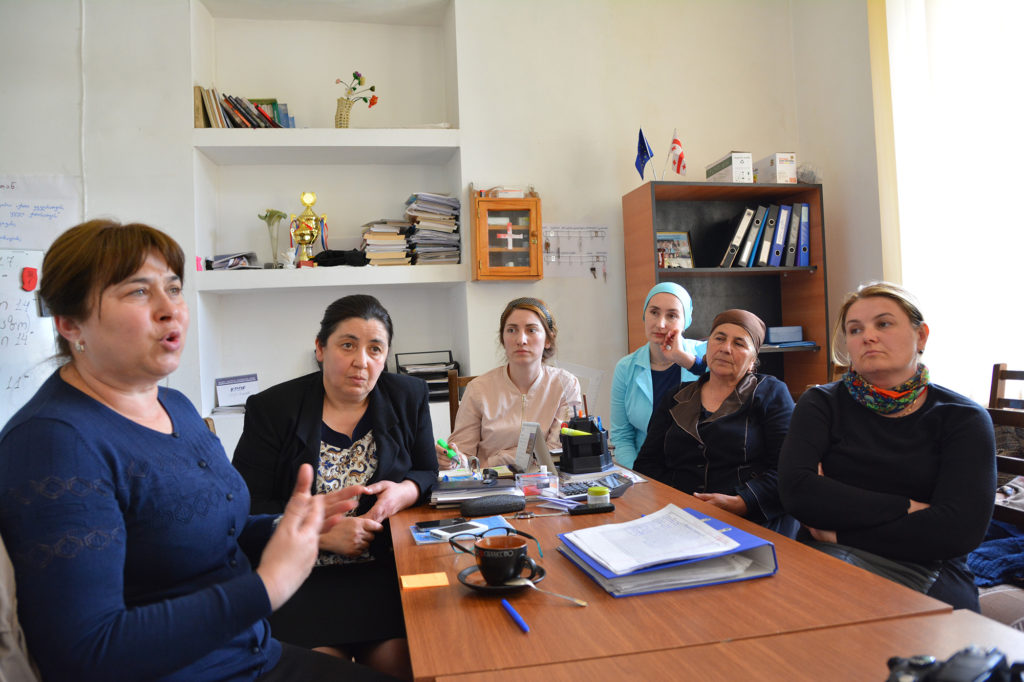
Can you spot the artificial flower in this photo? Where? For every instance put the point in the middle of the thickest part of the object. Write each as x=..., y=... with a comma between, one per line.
x=353, y=94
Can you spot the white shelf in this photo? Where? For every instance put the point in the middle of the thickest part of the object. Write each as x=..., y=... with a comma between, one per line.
x=320, y=146
x=261, y=281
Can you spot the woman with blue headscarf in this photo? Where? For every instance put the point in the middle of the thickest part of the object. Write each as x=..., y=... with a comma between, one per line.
x=643, y=377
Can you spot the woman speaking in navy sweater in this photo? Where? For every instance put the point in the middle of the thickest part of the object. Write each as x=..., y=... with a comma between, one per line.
x=127, y=526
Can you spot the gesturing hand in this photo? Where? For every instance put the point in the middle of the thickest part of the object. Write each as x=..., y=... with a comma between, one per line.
x=337, y=502
x=350, y=536
x=289, y=555
x=391, y=498
x=673, y=351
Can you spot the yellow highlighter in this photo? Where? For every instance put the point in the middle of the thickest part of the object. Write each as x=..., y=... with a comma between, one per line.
x=566, y=431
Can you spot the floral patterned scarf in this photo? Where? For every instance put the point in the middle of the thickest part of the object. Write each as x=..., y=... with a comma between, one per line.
x=886, y=400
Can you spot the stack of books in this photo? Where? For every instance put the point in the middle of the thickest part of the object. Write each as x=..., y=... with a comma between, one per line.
x=670, y=549
x=435, y=236
x=384, y=242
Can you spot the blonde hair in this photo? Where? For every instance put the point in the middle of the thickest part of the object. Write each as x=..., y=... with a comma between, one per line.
x=894, y=292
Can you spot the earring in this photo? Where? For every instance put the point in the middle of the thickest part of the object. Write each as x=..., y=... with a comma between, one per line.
x=79, y=346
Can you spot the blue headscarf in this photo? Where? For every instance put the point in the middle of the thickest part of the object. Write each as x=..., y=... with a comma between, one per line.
x=678, y=292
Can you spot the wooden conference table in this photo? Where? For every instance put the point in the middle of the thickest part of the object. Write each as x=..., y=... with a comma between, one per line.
x=844, y=652
x=453, y=630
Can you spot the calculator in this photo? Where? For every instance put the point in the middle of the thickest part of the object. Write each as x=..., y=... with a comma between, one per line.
x=577, y=490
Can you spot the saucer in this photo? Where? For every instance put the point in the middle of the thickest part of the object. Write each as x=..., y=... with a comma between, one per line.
x=476, y=582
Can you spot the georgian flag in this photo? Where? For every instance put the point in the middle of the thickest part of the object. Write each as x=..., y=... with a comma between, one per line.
x=677, y=155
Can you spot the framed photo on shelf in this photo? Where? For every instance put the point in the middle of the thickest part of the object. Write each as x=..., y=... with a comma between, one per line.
x=674, y=250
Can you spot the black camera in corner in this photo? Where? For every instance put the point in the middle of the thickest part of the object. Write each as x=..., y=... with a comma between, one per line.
x=967, y=665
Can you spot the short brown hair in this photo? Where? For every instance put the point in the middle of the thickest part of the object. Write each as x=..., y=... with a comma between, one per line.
x=903, y=298
x=91, y=256
x=537, y=306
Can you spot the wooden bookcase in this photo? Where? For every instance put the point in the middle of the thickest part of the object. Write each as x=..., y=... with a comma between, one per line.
x=779, y=295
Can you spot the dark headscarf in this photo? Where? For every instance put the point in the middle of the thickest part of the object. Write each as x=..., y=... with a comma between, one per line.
x=750, y=322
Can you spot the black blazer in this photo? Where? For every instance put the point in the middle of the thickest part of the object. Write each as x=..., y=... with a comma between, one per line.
x=282, y=430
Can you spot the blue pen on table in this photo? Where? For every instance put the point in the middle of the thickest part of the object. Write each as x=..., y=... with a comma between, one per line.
x=515, y=616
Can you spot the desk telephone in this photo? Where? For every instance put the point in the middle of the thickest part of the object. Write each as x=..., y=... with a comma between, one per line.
x=577, y=490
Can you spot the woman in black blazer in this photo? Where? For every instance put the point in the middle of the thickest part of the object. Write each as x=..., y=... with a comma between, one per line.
x=356, y=425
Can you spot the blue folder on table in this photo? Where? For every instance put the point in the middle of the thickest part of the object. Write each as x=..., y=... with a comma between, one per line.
x=754, y=557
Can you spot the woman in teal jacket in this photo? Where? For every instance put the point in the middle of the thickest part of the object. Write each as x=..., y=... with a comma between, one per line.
x=643, y=377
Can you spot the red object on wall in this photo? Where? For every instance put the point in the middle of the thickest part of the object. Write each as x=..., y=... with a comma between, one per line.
x=29, y=279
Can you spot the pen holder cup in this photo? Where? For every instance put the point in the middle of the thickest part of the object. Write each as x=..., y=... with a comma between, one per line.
x=585, y=454
x=500, y=558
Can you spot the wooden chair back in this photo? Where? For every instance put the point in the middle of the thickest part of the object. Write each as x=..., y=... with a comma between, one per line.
x=455, y=386
x=1009, y=457
x=997, y=396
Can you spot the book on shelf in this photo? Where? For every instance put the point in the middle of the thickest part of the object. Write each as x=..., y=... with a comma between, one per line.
x=241, y=260
x=213, y=111
x=270, y=108
x=779, y=240
x=231, y=112
x=383, y=238
x=222, y=110
x=437, y=226
x=737, y=238
x=803, y=241
x=747, y=254
x=248, y=112
x=791, y=238
x=674, y=250
x=390, y=261
x=386, y=225
x=386, y=252
x=374, y=247
x=671, y=549
x=199, y=117
x=286, y=120
x=764, y=246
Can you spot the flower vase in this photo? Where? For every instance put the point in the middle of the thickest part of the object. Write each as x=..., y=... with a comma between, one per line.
x=341, y=116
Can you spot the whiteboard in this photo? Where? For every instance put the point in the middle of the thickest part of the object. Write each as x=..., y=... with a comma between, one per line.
x=28, y=342
x=34, y=209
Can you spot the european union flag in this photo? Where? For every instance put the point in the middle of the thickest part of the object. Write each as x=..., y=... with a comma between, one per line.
x=643, y=154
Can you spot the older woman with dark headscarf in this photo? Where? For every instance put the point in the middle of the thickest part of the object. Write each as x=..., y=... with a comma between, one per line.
x=719, y=437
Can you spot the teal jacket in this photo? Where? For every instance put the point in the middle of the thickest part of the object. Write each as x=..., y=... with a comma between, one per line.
x=633, y=399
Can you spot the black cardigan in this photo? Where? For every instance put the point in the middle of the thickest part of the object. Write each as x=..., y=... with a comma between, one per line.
x=733, y=452
x=282, y=430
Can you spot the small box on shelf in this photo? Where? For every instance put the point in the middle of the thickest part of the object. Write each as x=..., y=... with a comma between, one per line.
x=733, y=167
x=777, y=168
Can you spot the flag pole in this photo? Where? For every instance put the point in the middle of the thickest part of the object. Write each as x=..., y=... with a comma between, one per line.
x=668, y=156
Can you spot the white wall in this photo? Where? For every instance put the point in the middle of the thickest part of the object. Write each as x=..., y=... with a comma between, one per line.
x=550, y=92
x=557, y=102
x=835, y=118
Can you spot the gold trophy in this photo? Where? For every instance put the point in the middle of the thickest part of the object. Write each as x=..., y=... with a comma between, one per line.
x=307, y=227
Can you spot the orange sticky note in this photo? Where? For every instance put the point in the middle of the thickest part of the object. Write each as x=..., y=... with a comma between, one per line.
x=420, y=580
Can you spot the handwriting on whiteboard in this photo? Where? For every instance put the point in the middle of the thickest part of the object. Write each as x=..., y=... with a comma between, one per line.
x=34, y=209
x=27, y=340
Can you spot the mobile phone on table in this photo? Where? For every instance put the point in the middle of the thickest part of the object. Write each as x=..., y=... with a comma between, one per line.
x=446, y=532
x=438, y=523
